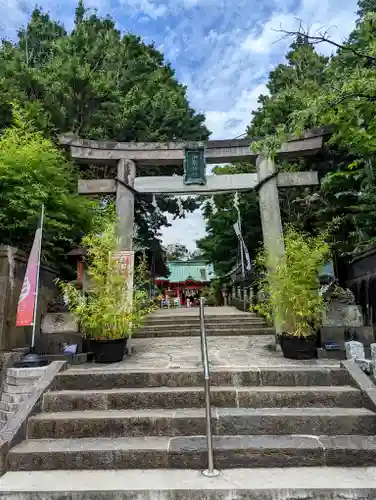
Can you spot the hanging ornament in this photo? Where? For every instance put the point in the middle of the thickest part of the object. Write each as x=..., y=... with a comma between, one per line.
x=135, y=231
x=180, y=207
x=154, y=202
x=236, y=201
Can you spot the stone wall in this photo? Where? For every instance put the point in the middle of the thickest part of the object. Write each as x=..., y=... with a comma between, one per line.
x=12, y=270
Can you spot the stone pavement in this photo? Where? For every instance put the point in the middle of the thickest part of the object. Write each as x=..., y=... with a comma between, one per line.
x=224, y=352
x=184, y=352
x=319, y=483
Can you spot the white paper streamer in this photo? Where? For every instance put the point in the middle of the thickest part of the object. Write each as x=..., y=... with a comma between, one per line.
x=213, y=205
x=236, y=201
x=180, y=207
x=154, y=202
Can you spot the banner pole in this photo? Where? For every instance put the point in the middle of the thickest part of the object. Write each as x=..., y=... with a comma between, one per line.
x=37, y=280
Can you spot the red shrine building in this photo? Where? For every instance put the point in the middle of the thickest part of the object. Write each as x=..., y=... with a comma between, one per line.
x=186, y=280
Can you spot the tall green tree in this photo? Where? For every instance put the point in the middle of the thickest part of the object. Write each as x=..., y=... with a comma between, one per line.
x=365, y=6
x=177, y=251
x=311, y=90
x=33, y=171
x=347, y=102
x=98, y=83
x=289, y=85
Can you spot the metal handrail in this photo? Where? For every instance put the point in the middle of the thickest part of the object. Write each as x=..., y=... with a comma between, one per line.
x=210, y=471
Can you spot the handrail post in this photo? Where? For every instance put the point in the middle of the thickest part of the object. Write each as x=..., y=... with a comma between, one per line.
x=210, y=471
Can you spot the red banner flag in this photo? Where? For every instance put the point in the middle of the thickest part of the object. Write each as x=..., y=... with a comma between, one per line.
x=26, y=302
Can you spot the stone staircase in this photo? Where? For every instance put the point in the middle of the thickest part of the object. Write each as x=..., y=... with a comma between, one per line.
x=170, y=323
x=96, y=419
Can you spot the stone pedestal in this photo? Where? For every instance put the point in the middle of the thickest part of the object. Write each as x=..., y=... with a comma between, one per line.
x=342, y=321
x=56, y=330
x=354, y=350
x=339, y=314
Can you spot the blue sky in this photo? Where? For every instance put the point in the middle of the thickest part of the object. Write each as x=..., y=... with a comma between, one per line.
x=222, y=50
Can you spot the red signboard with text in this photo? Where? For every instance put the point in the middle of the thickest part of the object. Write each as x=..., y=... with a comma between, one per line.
x=126, y=261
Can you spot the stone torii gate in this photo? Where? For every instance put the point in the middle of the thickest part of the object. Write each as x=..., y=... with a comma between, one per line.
x=130, y=157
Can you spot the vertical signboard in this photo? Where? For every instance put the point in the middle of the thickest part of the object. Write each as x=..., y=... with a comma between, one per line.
x=194, y=166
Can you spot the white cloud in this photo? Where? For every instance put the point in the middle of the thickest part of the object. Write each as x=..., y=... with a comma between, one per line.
x=186, y=231
x=340, y=21
x=152, y=9
x=191, y=3
x=13, y=17
x=232, y=123
x=260, y=41
x=240, y=63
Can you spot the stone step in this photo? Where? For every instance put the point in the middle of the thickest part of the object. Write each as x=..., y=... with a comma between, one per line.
x=190, y=422
x=190, y=452
x=195, y=331
x=209, y=326
x=195, y=318
x=194, y=397
x=98, y=378
x=303, y=483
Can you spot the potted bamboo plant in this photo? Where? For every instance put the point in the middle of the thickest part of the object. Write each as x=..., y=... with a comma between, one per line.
x=105, y=315
x=291, y=292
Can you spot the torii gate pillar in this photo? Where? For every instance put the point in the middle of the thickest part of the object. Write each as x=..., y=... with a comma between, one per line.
x=270, y=214
x=126, y=173
x=270, y=208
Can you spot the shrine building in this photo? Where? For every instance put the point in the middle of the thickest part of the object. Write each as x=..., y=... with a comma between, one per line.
x=186, y=279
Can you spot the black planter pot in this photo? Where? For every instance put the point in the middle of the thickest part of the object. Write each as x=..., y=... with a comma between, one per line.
x=107, y=351
x=86, y=349
x=298, y=347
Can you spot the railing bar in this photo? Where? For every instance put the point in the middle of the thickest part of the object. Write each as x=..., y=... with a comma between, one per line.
x=210, y=471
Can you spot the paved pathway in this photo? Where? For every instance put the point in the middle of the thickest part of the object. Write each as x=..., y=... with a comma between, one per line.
x=242, y=352
x=224, y=352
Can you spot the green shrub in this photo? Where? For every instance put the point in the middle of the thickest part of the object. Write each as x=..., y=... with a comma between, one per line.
x=291, y=286
x=105, y=312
